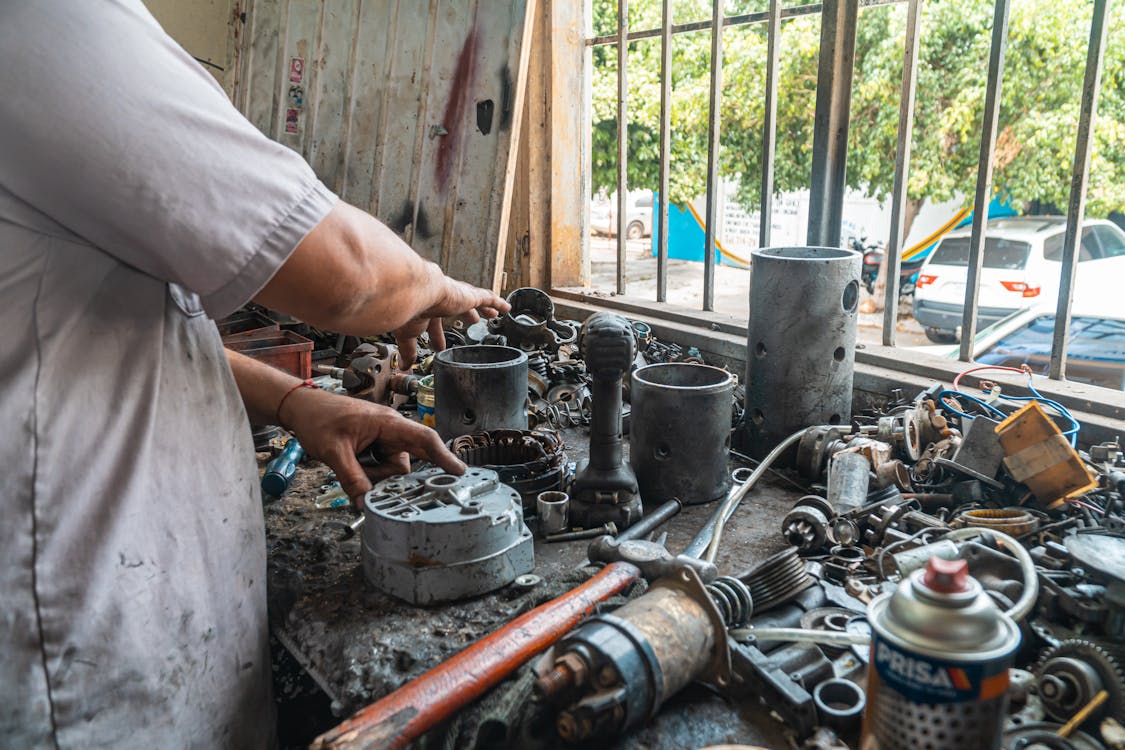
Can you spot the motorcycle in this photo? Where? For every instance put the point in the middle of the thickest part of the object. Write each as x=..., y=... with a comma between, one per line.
x=872, y=253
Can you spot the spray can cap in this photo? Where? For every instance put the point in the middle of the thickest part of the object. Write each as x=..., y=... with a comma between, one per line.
x=947, y=576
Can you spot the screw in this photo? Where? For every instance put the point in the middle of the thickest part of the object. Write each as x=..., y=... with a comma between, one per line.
x=573, y=536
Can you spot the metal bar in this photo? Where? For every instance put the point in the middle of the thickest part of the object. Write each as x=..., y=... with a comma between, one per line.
x=769, y=123
x=1076, y=207
x=713, y=131
x=902, y=172
x=740, y=20
x=665, y=150
x=830, y=123
x=622, y=138
x=984, y=176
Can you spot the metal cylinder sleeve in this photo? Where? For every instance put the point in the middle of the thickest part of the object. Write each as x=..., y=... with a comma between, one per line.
x=800, y=341
x=479, y=388
x=435, y=537
x=679, y=436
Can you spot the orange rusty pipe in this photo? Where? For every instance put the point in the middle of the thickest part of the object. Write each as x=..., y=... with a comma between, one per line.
x=406, y=714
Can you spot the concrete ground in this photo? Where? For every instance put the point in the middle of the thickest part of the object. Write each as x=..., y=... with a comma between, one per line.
x=732, y=287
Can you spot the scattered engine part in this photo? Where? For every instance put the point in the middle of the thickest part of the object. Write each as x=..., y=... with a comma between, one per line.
x=908, y=561
x=1045, y=736
x=808, y=295
x=980, y=451
x=839, y=703
x=530, y=325
x=435, y=537
x=373, y=374
x=615, y=671
x=605, y=486
x=816, y=447
x=893, y=474
x=679, y=435
x=479, y=388
x=827, y=618
x=1069, y=675
x=777, y=579
x=395, y=721
x=608, y=528
x=941, y=650
x=528, y=462
x=551, y=508
x=1100, y=554
x=766, y=678
x=902, y=430
x=806, y=525
x=1011, y=521
x=849, y=477
x=652, y=559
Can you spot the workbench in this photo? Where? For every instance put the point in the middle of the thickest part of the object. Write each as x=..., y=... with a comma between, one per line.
x=359, y=644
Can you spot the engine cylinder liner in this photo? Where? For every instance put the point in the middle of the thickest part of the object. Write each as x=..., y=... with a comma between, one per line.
x=800, y=346
x=479, y=388
x=679, y=436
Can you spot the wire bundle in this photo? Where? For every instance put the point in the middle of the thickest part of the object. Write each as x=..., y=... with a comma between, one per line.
x=1071, y=433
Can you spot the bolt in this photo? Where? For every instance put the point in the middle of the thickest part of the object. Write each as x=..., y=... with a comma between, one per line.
x=558, y=680
x=573, y=536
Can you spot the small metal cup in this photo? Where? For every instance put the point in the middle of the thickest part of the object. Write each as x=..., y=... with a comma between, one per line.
x=552, y=509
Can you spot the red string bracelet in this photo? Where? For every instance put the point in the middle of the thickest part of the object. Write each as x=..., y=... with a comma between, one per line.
x=288, y=393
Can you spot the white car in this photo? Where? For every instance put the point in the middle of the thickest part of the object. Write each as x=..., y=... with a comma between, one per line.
x=1022, y=261
x=638, y=215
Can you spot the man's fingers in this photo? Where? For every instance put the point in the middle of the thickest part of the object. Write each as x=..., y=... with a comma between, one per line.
x=393, y=466
x=437, y=334
x=433, y=450
x=353, y=479
x=407, y=352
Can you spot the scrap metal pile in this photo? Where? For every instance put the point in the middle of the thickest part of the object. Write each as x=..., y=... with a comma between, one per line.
x=954, y=576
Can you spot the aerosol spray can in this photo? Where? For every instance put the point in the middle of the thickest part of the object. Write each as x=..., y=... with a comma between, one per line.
x=938, y=676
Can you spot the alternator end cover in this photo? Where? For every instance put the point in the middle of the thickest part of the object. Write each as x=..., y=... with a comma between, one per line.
x=434, y=537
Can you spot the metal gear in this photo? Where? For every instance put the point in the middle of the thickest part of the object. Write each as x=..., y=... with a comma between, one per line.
x=1070, y=674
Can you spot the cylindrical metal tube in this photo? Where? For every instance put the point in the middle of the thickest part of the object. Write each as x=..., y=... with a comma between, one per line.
x=679, y=436
x=849, y=477
x=551, y=509
x=800, y=341
x=479, y=388
x=406, y=714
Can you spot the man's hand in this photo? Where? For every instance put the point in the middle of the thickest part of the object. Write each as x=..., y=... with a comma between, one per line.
x=333, y=428
x=467, y=302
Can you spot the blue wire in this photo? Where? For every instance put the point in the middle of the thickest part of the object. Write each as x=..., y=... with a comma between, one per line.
x=1071, y=433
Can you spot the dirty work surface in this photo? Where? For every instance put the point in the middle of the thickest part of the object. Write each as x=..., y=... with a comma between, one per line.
x=360, y=645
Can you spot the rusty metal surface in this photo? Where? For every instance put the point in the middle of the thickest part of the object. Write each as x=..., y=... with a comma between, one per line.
x=360, y=645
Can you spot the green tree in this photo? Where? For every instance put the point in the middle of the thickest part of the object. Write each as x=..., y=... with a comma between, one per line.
x=1039, y=107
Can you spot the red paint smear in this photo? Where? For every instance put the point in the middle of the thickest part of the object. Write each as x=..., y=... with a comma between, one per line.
x=454, y=115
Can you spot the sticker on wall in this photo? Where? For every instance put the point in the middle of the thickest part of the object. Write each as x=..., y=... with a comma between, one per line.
x=296, y=69
x=292, y=121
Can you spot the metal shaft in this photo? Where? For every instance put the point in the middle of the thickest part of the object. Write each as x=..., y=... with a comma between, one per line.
x=651, y=521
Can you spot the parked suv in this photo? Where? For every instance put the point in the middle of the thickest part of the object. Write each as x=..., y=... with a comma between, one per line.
x=1022, y=261
x=638, y=215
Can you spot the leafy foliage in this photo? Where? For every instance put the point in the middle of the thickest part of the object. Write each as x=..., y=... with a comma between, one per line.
x=1046, y=57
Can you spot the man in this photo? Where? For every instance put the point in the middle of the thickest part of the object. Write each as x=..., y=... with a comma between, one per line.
x=136, y=205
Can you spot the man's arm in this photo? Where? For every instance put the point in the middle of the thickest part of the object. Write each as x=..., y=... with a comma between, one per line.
x=352, y=274
x=332, y=428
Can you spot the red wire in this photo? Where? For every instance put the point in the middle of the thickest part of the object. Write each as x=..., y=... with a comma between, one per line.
x=1022, y=370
